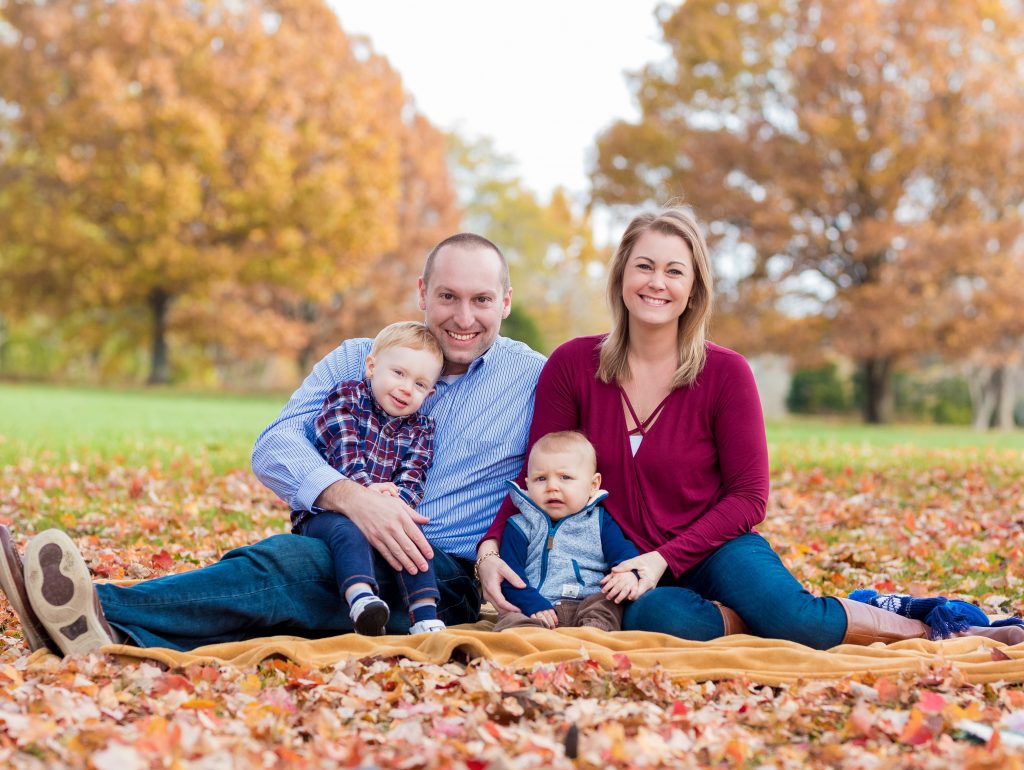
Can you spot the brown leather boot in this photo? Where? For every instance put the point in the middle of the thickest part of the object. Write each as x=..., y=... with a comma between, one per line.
x=731, y=622
x=867, y=624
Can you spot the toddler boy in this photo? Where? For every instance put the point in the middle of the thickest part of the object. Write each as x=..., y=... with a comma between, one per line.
x=370, y=431
x=562, y=542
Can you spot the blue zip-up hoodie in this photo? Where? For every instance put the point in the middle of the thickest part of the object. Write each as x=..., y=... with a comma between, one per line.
x=563, y=559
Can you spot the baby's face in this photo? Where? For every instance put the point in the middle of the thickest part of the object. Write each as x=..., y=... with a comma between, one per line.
x=561, y=481
x=401, y=378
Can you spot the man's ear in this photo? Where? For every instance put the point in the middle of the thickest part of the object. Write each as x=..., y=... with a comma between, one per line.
x=506, y=303
x=421, y=294
x=370, y=364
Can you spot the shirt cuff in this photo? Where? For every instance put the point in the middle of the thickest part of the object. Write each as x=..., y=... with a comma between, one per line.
x=315, y=483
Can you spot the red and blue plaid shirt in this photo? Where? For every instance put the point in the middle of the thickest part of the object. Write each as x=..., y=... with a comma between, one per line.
x=369, y=446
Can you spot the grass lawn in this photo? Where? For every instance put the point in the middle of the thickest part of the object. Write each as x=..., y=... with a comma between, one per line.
x=134, y=427
x=139, y=427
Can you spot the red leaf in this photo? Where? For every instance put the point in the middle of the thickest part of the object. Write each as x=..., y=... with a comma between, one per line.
x=931, y=703
x=162, y=560
x=998, y=654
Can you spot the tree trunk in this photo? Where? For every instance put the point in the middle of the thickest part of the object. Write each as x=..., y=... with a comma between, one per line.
x=1007, y=398
x=160, y=367
x=982, y=381
x=876, y=389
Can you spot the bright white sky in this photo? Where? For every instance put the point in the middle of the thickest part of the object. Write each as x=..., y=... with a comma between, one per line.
x=540, y=78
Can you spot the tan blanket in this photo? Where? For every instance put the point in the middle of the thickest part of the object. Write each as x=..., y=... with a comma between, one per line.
x=767, y=661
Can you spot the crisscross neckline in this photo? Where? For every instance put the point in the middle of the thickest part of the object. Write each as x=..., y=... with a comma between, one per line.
x=642, y=426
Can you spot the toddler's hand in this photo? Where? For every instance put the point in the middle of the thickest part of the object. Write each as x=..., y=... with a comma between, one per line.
x=547, y=617
x=619, y=586
x=385, y=488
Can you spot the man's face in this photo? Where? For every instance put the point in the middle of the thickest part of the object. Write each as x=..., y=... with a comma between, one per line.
x=464, y=303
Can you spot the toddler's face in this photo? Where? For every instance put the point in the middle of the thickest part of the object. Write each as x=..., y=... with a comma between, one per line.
x=401, y=378
x=561, y=481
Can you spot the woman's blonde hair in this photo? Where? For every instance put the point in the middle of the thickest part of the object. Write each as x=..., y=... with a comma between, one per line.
x=693, y=323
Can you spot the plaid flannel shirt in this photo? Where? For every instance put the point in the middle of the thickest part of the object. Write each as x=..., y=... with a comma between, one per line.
x=367, y=445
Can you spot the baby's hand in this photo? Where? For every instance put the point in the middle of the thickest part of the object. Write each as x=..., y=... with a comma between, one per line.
x=619, y=586
x=547, y=617
x=385, y=488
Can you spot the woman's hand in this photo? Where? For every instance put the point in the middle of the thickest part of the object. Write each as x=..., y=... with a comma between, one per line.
x=490, y=571
x=548, y=617
x=650, y=565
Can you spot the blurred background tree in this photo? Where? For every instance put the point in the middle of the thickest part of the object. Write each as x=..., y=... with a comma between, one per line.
x=861, y=161
x=245, y=161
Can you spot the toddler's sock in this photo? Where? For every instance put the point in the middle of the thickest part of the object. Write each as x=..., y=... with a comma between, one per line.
x=423, y=615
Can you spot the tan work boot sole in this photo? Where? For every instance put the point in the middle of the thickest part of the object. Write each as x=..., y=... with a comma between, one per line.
x=61, y=592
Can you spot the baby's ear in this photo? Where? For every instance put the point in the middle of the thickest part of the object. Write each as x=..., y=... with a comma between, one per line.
x=370, y=363
x=595, y=483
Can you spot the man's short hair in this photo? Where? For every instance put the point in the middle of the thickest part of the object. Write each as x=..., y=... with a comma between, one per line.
x=471, y=240
x=407, y=334
x=564, y=440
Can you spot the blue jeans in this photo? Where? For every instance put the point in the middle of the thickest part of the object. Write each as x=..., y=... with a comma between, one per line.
x=747, y=575
x=282, y=585
x=353, y=559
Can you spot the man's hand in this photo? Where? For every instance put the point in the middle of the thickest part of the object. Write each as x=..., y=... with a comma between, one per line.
x=388, y=523
x=492, y=570
x=650, y=565
x=547, y=617
x=384, y=488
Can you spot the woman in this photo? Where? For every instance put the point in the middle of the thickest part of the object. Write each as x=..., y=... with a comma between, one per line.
x=680, y=441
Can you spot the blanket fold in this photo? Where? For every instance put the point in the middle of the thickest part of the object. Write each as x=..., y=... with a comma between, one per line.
x=766, y=661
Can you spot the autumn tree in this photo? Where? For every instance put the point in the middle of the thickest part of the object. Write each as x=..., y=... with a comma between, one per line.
x=846, y=146
x=153, y=149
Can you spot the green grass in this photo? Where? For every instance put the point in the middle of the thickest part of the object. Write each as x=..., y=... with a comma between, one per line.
x=134, y=427
x=138, y=427
x=834, y=445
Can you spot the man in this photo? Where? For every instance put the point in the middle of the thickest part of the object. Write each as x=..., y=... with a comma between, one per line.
x=285, y=584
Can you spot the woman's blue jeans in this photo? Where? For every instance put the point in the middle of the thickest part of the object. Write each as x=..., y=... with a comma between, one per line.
x=284, y=585
x=747, y=575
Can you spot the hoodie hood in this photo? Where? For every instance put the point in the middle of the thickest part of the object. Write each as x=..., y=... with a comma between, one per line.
x=524, y=503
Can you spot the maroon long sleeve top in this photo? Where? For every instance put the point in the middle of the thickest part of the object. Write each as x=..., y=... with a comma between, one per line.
x=700, y=475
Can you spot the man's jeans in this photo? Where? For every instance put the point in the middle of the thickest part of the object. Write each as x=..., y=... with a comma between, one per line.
x=747, y=575
x=284, y=585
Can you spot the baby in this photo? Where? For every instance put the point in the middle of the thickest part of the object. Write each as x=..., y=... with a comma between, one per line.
x=562, y=543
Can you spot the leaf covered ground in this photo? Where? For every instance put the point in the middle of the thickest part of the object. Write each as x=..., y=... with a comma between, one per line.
x=949, y=523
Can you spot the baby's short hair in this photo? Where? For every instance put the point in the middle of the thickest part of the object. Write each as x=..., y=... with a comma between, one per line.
x=407, y=334
x=563, y=440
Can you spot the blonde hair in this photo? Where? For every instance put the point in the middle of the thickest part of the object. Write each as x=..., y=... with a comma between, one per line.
x=407, y=334
x=693, y=323
x=563, y=440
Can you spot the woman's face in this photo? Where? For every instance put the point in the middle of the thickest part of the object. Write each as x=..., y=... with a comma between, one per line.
x=658, y=279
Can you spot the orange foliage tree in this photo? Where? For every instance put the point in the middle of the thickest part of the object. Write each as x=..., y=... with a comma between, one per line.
x=156, y=149
x=858, y=152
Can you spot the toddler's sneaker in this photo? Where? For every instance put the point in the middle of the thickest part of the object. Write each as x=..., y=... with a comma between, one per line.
x=369, y=615
x=431, y=626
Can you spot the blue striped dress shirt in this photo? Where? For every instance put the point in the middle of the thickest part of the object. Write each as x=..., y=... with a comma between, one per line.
x=482, y=422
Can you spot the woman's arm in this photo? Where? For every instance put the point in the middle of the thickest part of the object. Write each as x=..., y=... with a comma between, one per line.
x=737, y=423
